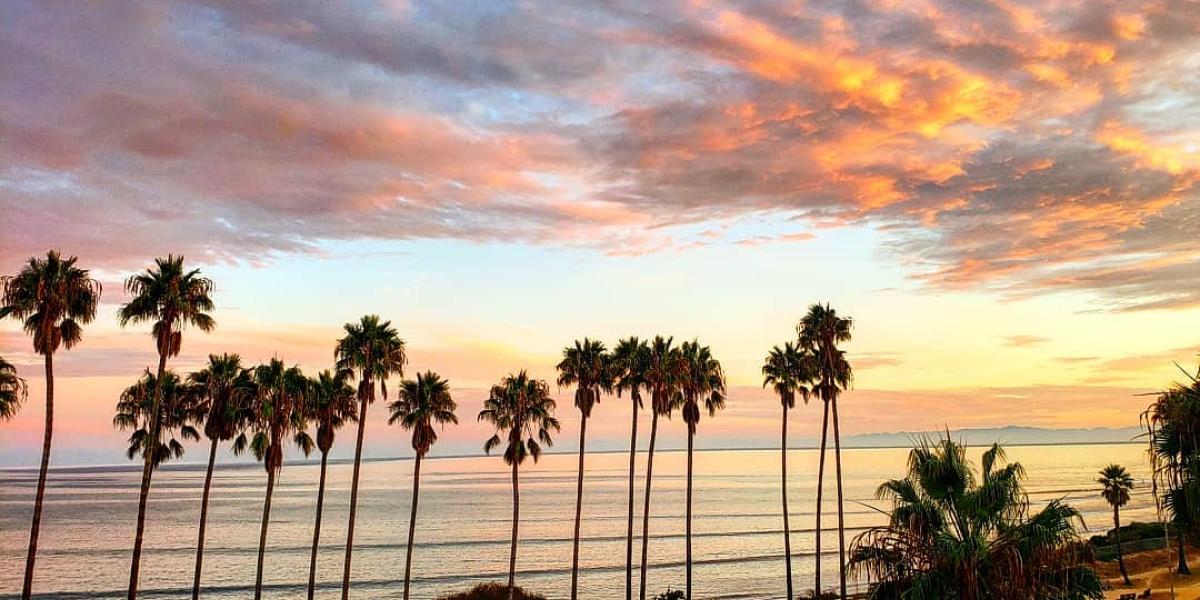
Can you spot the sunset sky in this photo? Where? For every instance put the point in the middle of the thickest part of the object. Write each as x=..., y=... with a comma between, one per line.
x=1005, y=196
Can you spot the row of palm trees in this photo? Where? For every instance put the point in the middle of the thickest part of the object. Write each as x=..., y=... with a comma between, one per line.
x=267, y=406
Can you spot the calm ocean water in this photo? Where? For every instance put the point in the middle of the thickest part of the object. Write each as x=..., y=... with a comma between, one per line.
x=463, y=526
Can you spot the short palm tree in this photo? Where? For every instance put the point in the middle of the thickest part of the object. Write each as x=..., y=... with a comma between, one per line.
x=701, y=381
x=955, y=534
x=279, y=403
x=630, y=363
x=54, y=299
x=520, y=408
x=1116, y=484
x=820, y=332
x=585, y=366
x=222, y=391
x=419, y=406
x=177, y=418
x=373, y=350
x=664, y=372
x=788, y=370
x=331, y=404
x=172, y=298
x=13, y=391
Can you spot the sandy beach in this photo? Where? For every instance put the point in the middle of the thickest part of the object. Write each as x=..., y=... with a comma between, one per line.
x=1149, y=570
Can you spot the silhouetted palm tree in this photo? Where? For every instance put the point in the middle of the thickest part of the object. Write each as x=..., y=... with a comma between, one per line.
x=521, y=408
x=702, y=380
x=223, y=391
x=279, y=403
x=54, y=299
x=331, y=404
x=374, y=351
x=1116, y=485
x=420, y=405
x=1173, y=428
x=173, y=298
x=13, y=391
x=788, y=370
x=959, y=535
x=630, y=363
x=178, y=415
x=585, y=366
x=820, y=331
x=663, y=374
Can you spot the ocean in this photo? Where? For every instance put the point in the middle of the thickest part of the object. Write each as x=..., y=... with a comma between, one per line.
x=465, y=513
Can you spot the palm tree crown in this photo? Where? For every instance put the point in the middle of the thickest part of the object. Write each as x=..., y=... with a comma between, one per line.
x=178, y=414
x=1116, y=484
x=701, y=379
x=521, y=408
x=664, y=375
x=173, y=298
x=53, y=298
x=373, y=349
x=331, y=405
x=420, y=404
x=820, y=331
x=629, y=364
x=223, y=392
x=279, y=412
x=585, y=365
x=789, y=371
x=13, y=391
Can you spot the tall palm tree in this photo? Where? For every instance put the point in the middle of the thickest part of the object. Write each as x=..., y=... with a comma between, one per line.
x=13, y=391
x=172, y=298
x=1173, y=427
x=420, y=405
x=702, y=380
x=223, y=391
x=957, y=534
x=331, y=404
x=820, y=331
x=178, y=415
x=373, y=349
x=520, y=407
x=630, y=363
x=279, y=413
x=788, y=370
x=1116, y=484
x=585, y=366
x=663, y=375
x=54, y=299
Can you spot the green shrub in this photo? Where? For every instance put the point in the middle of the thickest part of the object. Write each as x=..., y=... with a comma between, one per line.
x=671, y=594
x=492, y=591
x=1129, y=533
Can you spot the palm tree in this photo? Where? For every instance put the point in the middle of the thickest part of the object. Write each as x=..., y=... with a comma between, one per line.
x=419, y=406
x=788, y=371
x=521, y=408
x=701, y=379
x=279, y=413
x=630, y=363
x=958, y=535
x=172, y=298
x=663, y=374
x=331, y=405
x=1116, y=484
x=13, y=391
x=820, y=331
x=585, y=366
x=178, y=414
x=374, y=349
x=54, y=299
x=1173, y=426
x=223, y=391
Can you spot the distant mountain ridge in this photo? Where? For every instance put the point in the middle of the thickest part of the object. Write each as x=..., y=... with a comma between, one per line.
x=1009, y=435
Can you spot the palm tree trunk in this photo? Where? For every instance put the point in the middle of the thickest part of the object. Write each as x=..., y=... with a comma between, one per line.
x=35, y=525
x=147, y=470
x=841, y=511
x=1120, y=554
x=262, y=533
x=1183, y=565
x=362, y=423
x=787, y=530
x=629, y=531
x=412, y=522
x=578, y=510
x=312, y=561
x=512, y=552
x=646, y=500
x=691, y=436
x=212, y=459
x=820, y=495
